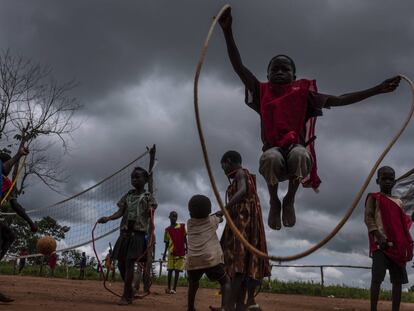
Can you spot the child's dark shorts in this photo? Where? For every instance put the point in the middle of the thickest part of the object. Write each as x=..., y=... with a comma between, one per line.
x=215, y=273
x=380, y=263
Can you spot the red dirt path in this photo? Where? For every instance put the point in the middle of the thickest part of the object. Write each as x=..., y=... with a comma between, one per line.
x=45, y=294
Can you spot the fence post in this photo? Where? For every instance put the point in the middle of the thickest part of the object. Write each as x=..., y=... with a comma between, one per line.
x=160, y=268
x=322, y=280
x=270, y=278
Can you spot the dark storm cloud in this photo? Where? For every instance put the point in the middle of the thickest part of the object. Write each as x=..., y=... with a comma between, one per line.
x=135, y=62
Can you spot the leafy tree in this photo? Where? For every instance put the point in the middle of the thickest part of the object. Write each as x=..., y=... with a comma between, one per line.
x=25, y=238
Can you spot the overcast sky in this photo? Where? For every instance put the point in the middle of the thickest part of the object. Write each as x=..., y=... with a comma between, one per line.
x=135, y=63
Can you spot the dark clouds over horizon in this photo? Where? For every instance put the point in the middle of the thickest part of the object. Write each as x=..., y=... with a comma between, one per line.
x=135, y=61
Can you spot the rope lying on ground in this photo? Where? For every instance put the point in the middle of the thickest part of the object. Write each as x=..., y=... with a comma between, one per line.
x=232, y=226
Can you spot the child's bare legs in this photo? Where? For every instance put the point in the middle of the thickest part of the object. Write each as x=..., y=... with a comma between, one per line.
x=273, y=169
x=126, y=268
x=177, y=276
x=375, y=290
x=238, y=292
x=396, y=296
x=169, y=279
x=192, y=291
x=274, y=220
x=298, y=165
x=225, y=286
x=288, y=208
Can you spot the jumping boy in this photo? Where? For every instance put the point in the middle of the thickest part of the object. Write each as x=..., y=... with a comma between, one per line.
x=242, y=202
x=135, y=210
x=390, y=243
x=205, y=255
x=7, y=236
x=176, y=243
x=288, y=109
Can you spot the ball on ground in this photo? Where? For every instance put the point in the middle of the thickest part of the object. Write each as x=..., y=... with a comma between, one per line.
x=46, y=245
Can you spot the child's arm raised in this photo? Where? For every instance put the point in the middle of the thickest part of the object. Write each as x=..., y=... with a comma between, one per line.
x=249, y=80
x=387, y=86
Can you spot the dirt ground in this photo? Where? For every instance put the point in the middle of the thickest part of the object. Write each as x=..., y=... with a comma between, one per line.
x=35, y=294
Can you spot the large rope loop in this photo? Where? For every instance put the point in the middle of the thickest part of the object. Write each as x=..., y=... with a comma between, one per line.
x=230, y=223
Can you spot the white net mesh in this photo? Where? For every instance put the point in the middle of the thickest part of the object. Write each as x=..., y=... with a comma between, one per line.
x=81, y=211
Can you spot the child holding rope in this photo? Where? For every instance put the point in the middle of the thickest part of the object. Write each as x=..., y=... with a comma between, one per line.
x=242, y=202
x=7, y=237
x=205, y=255
x=390, y=243
x=135, y=209
x=288, y=109
x=176, y=243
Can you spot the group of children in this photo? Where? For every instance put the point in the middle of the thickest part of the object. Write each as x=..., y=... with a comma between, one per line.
x=288, y=109
x=197, y=248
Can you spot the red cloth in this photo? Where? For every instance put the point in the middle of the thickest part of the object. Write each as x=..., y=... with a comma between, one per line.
x=283, y=110
x=5, y=185
x=177, y=236
x=397, y=229
x=52, y=261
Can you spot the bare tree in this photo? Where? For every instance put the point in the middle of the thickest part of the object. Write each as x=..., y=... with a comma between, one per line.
x=38, y=111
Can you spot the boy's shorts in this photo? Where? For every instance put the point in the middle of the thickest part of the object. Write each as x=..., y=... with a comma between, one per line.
x=380, y=263
x=175, y=263
x=214, y=274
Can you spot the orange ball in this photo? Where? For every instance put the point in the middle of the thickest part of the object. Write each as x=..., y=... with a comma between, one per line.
x=46, y=245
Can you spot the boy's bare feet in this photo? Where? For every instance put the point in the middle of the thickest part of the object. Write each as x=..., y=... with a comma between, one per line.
x=288, y=211
x=124, y=302
x=4, y=298
x=273, y=220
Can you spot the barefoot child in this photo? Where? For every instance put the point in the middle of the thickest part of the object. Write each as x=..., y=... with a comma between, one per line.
x=288, y=109
x=176, y=243
x=245, y=269
x=134, y=208
x=390, y=243
x=204, y=251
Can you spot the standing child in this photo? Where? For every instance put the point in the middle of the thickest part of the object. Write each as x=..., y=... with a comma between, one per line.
x=135, y=209
x=82, y=266
x=245, y=269
x=52, y=261
x=205, y=255
x=390, y=243
x=288, y=109
x=176, y=243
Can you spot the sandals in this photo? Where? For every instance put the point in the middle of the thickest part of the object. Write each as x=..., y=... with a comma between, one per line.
x=254, y=307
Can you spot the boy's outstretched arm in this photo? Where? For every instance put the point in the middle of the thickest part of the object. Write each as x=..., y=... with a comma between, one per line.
x=118, y=214
x=22, y=213
x=249, y=80
x=387, y=86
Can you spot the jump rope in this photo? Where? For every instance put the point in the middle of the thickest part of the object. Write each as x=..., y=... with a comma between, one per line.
x=231, y=224
x=150, y=244
x=229, y=221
